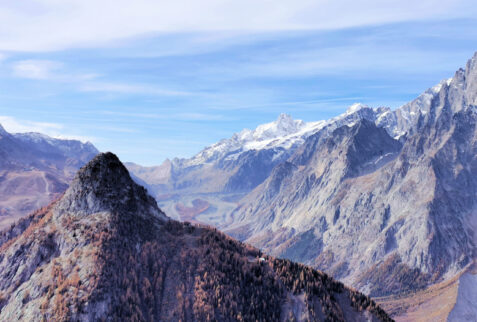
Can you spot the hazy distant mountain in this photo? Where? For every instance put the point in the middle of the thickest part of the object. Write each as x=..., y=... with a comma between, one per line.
x=387, y=206
x=223, y=173
x=35, y=169
x=105, y=251
x=217, y=166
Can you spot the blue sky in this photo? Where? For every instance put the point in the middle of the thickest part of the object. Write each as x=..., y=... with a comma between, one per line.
x=151, y=82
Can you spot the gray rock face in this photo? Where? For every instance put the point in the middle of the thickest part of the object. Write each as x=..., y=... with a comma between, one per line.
x=104, y=184
x=253, y=167
x=387, y=205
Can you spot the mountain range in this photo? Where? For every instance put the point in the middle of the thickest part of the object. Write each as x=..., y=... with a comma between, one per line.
x=382, y=199
x=220, y=175
x=105, y=251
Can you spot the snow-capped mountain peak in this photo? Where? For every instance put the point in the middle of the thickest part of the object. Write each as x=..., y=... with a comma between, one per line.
x=283, y=126
x=284, y=118
x=284, y=132
x=355, y=107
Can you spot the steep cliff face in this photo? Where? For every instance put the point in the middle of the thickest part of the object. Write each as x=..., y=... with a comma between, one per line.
x=388, y=210
x=106, y=251
x=34, y=170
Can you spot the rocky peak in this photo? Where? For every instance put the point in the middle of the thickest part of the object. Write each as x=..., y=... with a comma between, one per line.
x=439, y=102
x=283, y=126
x=367, y=146
x=471, y=80
x=462, y=88
x=285, y=120
x=472, y=63
x=104, y=170
x=104, y=184
x=366, y=132
x=354, y=131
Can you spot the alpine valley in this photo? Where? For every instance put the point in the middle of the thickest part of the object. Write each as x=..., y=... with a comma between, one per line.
x=383, y=200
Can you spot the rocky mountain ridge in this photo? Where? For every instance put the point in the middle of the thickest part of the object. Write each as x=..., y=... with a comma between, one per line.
x=224, y=172
x=382, y=199
x=106, y=251
x=389, y=213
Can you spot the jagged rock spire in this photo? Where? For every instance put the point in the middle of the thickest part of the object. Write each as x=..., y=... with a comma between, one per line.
x=104, y=184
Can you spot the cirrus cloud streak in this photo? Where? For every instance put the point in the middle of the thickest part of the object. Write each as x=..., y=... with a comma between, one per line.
x=28, y=26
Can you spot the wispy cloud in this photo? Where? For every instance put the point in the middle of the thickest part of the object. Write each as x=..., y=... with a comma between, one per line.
x=350, y=59
x=14, y=125
x=29, y=26
x=154, y=71
x=199, y=117
x=48, y=70
x=56, y=130
x=170, y=116
x=121, y=88
x=36, y=69
x=302, y=104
